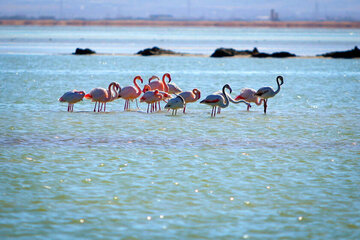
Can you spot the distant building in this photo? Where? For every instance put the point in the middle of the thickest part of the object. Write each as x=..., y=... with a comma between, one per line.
x=274, y=16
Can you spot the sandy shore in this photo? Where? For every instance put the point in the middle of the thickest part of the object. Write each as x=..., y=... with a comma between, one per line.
x=279, y=24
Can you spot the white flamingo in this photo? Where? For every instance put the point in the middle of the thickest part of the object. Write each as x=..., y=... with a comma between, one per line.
x=268, y=92
x=71, y=98
x=248, y=94
x=218, y=100
x=175, y=103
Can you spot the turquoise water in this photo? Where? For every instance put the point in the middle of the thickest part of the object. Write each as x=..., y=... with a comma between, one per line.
x=290, y=174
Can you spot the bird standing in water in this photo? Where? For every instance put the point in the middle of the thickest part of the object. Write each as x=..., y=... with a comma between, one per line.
x=268, y=92
x=71, y=98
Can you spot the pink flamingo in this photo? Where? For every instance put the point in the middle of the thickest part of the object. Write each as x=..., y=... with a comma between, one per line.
x=164, y=96
x=71, y=98
x=248, y=94
x=130, y=93
x=218, y=100
x=151, y=97
x=159, y=85
x=101, y=95
x=190, y=96
x=173, y=88
x=268, y=92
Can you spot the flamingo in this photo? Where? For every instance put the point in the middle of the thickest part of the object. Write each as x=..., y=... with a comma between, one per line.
x=218, y=100
x=71, y=98
x=173, y=88
x=159, y=85
x=268, y=92
x=164, y=96
x=190, y=96
x=151, y=97
x=231, y=100
x=101, y=95
x=248, y=94
x=130, y=93
x=175, y=103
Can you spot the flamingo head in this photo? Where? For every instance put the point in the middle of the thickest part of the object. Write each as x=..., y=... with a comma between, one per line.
x=281, y=79
x=88, y=96
x=239, y=98
x=165, y=95
x=139, y=77
x=81, y=93
x=146, y=88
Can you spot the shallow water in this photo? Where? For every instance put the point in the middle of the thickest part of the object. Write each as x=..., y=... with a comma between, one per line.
x=290, y=174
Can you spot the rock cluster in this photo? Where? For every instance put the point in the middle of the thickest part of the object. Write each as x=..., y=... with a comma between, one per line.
x=230, y=52
x=274, y=55
x=354, y=53
x=155, y=51
x=80, y=51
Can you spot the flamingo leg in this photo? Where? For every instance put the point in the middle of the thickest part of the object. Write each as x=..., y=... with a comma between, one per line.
x=95, y=107
x=104, y=107
x=159, y=106
x=72, y=107
x=175, y=111
x=265, y=105
x=68, y=107
x=148, y=108
x=137, y=106
x=184, y=108
x=248, y=107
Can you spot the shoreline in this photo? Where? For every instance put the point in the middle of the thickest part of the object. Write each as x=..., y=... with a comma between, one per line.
x=174, y=23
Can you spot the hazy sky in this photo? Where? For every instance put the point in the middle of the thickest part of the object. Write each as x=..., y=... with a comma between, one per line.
x=209, y=9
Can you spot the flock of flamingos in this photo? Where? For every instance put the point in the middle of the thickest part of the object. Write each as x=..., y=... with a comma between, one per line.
x=157, y=91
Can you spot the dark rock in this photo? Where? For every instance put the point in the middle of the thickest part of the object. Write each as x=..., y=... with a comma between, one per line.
x=274, y=55
x=261, y=55
x=80, y=51
x=282, y=55
x=224, y=52
x=155, y=51
x=229, y=52
x=354, y=53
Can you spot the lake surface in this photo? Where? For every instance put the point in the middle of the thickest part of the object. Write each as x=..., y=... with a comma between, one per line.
x=293, y=173
x=194, y=40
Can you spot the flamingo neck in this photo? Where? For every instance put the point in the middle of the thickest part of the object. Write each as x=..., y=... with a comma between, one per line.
x=226, y=104
x=136, y=85
x=197, y=93
x=257, y=102
x=166, y=87
x=166, y=75
x=279, y=78
x=112, y=88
